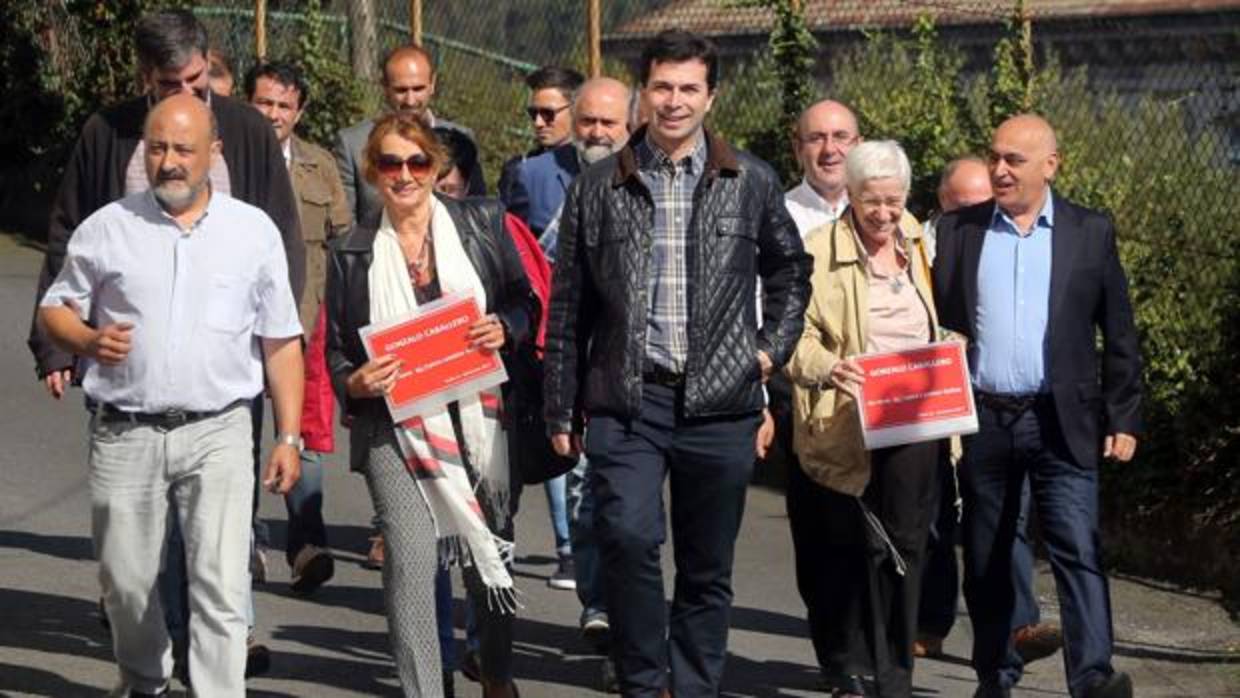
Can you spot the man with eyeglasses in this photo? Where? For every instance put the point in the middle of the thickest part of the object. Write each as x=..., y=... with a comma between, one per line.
x=825, y=133
x=551, y=95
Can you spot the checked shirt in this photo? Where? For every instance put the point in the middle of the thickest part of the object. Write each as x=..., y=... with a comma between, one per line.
x=671, y=186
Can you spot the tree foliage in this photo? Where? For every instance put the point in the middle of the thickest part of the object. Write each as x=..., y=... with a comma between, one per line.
x=1168, y=187
x=337, y=98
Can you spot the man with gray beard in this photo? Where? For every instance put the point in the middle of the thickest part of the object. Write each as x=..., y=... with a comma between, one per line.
x=166, y=295
x=600, y=128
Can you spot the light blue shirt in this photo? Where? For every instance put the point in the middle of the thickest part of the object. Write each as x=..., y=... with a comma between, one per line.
x=1013, y=305
x=199, y=299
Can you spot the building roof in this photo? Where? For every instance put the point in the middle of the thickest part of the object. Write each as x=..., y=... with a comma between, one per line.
x=716, y=18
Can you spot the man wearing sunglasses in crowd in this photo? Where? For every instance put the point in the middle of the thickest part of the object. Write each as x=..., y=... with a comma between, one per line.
x=551, y=96
x=408, y=84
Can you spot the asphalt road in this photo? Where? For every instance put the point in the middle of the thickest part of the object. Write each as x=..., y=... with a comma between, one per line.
x=1174, y=642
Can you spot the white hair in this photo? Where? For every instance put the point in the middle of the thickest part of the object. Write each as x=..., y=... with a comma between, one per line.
x=877, y=160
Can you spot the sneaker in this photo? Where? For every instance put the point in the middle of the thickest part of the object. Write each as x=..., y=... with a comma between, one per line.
x=311, y=567
x=374, y=558
x=611, y=681
x=928, y=646
x=1117, y=685
x=850, y=686
x=257, y=659
x=1034, y=642
x=565, y=575
x=596, y=631
x=258, y=565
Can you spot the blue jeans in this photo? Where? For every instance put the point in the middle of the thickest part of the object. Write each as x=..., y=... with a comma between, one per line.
x=708, y=462
x=558, y=508
x=941, y=580
x=304, y=504
x=585, y=549
x=1007, y=450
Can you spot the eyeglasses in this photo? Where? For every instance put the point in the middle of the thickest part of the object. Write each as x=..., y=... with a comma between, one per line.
x=545, y=113
x=391, y=165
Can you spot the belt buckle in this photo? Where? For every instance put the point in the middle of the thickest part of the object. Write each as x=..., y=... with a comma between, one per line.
x=175, y=416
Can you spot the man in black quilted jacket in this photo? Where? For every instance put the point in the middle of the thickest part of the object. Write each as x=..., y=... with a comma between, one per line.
x=654, y=338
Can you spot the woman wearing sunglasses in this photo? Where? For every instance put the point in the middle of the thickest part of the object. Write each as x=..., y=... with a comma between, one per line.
x=441, y=483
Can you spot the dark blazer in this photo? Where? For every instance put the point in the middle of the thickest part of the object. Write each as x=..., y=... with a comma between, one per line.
x=480, y=224
x=95, y=177
x=1093, y=394
x=540, y=186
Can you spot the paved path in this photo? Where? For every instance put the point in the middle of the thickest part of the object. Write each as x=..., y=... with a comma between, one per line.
x=1174, y=642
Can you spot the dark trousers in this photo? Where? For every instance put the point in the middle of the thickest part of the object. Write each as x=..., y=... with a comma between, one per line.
x=1007, y=449
x=940, y=580
x=708, y=463
x=862, y=611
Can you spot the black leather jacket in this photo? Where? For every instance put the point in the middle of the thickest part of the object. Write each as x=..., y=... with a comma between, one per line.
x=596, y=333
x=480, y=223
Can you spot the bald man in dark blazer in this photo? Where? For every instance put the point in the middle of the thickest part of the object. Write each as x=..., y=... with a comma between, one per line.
x=1030, y=278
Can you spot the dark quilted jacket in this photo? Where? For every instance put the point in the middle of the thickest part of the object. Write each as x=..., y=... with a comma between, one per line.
x=596, y=333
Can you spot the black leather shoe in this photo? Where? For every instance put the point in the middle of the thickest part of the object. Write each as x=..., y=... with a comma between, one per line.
x=140, y=694
x=992, y=690
x=1117, y=685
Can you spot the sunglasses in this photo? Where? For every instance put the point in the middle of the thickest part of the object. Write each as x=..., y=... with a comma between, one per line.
x=391, y=165
x=545, y=113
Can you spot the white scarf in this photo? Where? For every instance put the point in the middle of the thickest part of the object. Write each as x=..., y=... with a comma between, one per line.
x=428, y=443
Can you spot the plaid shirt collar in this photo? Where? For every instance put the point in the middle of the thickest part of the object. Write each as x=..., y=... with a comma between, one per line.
x=651, y=158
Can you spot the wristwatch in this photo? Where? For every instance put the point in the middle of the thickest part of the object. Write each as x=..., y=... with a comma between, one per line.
x=293, y=440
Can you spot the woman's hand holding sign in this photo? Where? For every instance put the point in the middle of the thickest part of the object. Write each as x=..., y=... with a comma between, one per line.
x=847, y=376
x=487, y=333
x=375, y=378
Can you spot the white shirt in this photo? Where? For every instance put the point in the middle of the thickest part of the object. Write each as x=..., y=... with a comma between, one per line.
x=809, y=210
x=199, y=299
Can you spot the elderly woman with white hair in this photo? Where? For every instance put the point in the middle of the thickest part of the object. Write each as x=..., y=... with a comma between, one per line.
x=871, y=293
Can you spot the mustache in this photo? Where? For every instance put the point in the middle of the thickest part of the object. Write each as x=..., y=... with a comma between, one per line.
x=172, y=174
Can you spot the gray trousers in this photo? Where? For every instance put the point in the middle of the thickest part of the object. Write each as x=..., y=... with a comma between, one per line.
x=409, y=570
x=204, y=468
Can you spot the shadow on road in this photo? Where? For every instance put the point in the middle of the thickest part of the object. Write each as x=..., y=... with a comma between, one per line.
x=66, y=547
x=29, y=680
x=368, y=660
x=54, y=625
x=759, y=620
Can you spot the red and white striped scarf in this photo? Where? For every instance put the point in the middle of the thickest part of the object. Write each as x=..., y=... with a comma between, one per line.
x=428, y=442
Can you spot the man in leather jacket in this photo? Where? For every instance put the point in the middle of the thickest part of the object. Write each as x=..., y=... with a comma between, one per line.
x=653, y=336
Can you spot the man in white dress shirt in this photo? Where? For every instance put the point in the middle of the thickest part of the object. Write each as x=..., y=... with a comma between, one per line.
x=826, y=131
x=168, y=295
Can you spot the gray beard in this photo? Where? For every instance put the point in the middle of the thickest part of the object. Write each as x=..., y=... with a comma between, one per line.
x=175, y=201
x=593, y=153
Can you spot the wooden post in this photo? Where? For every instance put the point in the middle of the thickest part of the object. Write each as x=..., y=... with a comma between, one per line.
x=415, y=22
x=260, y=30
x=594, y=38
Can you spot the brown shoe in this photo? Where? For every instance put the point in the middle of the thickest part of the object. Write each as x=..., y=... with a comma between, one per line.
x=374, y=558
x=311, y=567
x=1039, y=641
x=927, y=646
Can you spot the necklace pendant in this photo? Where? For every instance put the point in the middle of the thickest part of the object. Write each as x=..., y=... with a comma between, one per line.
x=897, y=284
